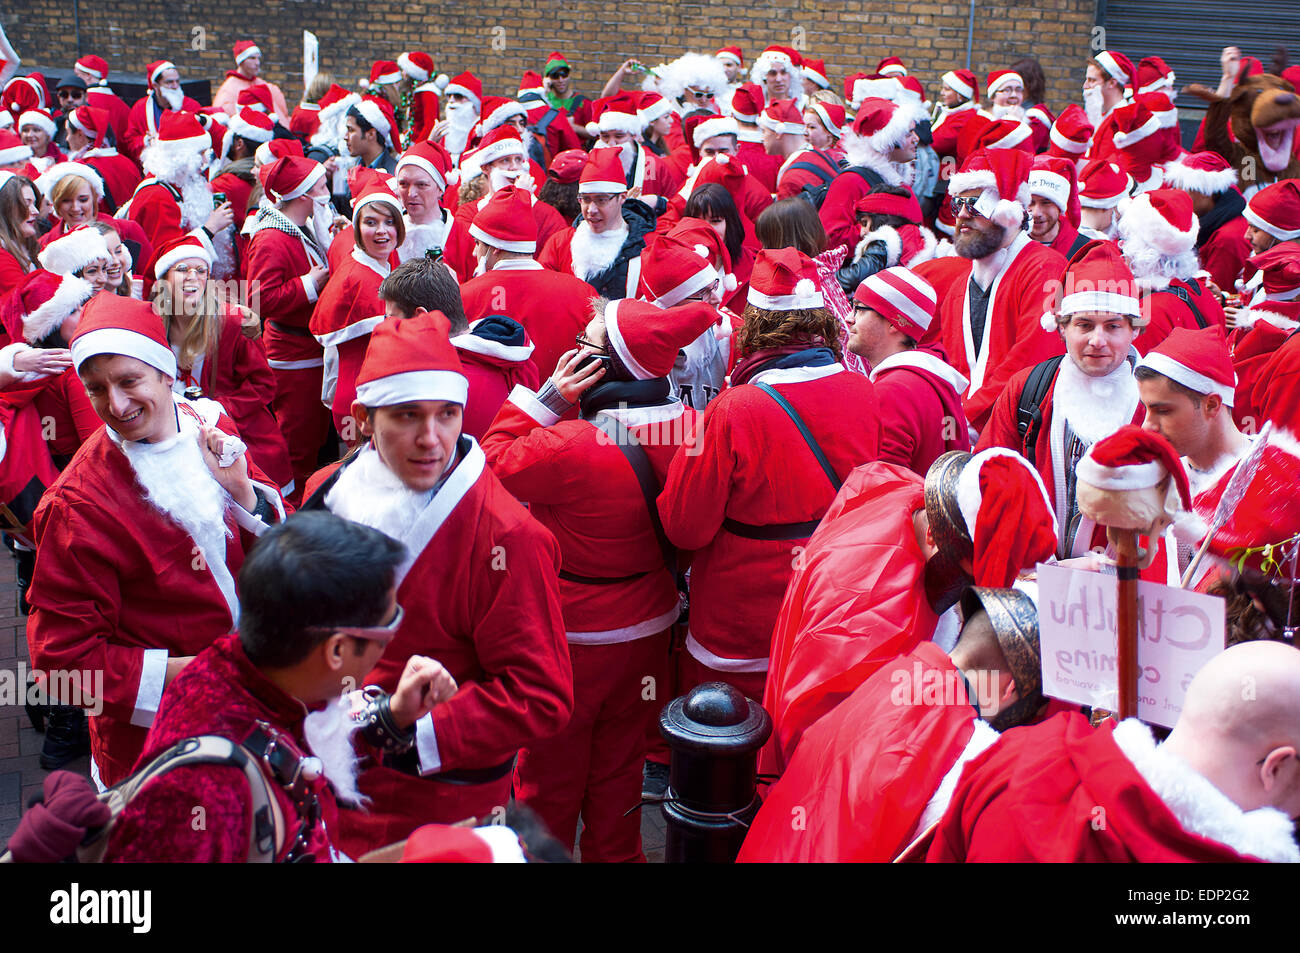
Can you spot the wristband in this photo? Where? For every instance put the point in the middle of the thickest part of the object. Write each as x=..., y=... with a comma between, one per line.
x=378, y=727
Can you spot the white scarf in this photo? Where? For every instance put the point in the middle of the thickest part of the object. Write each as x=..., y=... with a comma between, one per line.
x=369, y=493
x=592, y=252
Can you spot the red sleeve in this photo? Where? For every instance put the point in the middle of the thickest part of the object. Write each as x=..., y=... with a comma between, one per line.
x=11, y=273
x=1001, y=429
x=160, y=220
x=282, y=292
x=1278, y=395
x=560, y=136
x=528, y=456
x=551, y=253
x=133, y=140
x=897, y=420
x=84, y=418
x=837, y=215
x=694, y=500
x=253, y=379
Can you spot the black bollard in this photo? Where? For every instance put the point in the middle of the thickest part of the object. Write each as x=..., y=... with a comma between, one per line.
x=714, y=734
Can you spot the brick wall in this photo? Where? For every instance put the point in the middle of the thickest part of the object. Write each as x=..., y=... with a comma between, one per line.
x=498, y=40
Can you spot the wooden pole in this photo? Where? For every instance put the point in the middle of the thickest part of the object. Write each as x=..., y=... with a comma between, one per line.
x=1126, y=562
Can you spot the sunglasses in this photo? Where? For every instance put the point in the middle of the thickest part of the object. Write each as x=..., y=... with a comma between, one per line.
x=697, y=93
x=561, y=72
x=70, y=94
x=966, y=205
x=383, y=634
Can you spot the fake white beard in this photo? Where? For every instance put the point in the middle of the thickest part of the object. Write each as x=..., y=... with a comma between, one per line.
x=179, y=483
x=859, y=152
x=593, y=252
x=1092, y=105
x=461, y=117
x=368, y=492
x=1154, y=269
x=329, y=735
x=1008, y=112
x=422, y=238
x=175, y=98
x=322, y=216
x=1095, y=407
x=499, y=178
x=626, y=153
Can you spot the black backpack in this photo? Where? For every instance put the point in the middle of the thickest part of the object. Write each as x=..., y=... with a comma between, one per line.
x=826, y=170
x=817, y=194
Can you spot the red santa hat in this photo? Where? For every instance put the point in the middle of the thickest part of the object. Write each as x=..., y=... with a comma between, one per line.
x=1103, y=184
x=747, y=102
x=783, y=116
x=567, y=166
x=851, y=83
x=905, y=300
x=531, y=82
x=883, y=124
x=49, y=180
x=90, y=121
x=377, y=192
x=1008, y=516
x=268, y=152
x=111, y=324
x=257, y=98
x=23, y=93
x=41, y=303
x=1154, y=74
x=647, y=337
x=652, y=106
x=815, y=70
x=1098, y=279
x=1205, y=172
x=1199, y=360
x=497, y=109
x=731, y=54
x=673, y=270
x=603, y=174
x=156, y=69
x=1040, y=115
x=891, y=66
x=1000, y=78
x=1279, y=268
x=784, y=279
x=12, y=148
x=411, y=359
x=244, y=49
x=1118, y=67
x=501, y=142
x=181, y=132
x=617, y=113
x=1162, y=219
x=963, y=82
x=1133, y=459
x=884, y=203
x=1002, y=176
x=1263, y=525
x=1276, y=209
x=289, y=177
x=832, y=116
x=714, y=126
x=94, y=65
x=383, y=72
x=1160, y=106
x=707, y=243
x=1248, y=67
x=40, y=119
x=445, y=844
x=249, y=124
x=178, y=250
x=1070, y=134
x=417, y=65
x=776, y=57
x=1055, y=180
x=429, y=157
x=378, y=114
x=80, y=247
x=875, y=87
x=467, y=85
x=507, y=222
x=981, y=132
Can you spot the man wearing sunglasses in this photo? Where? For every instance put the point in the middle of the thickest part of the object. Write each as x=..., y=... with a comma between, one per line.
x=319, y=608
x=478, y=587
x=559, y=91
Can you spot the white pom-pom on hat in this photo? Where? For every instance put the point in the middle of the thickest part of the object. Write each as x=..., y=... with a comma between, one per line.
x=804, y=288
x=442, y=81
x=722, y=158
x=593, y=129
x=729, y=282
x=1048, y=321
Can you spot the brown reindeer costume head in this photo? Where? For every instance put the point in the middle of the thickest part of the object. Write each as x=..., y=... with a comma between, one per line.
x=1263, y=113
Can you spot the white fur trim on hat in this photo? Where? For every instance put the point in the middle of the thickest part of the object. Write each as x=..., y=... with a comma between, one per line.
x=61, y=170
x=424, y=165
x=412, y=386
x=503, y=112
x=1179, y=176
x=1051, y=186
x=463, y=91
x=820, y=109
x=123, y=341
x=953, y=82
x=1124, y=140
x=487, y=238
x=1003, y=80
x=887, y=88
x=1108, y=302
x=19, y=153
x=695, y=283
x=806, y=295
x=411, y=70
x=70, y=295
x=1108, y=63
x=1004, y=211
x=1014, y=137
x=619, y=345
x=372, y=114
x=817, y=78
x=251, y=51
x=969, y=496
x=305, y=185
x=718, y=126
x=1066, y=144
x=1135, y=476
x=1263, y=224
x=611, y=120
x=74, y=251
x=176, y=255
x=728, y=57
x=656, y=110
x=784, y=128
x=893, y=132
x=499, y=150
x=39, y=120
x=1142, y=222
x=1192, y=380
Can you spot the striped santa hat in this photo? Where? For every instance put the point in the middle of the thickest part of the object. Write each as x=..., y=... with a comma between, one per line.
x=905, y=300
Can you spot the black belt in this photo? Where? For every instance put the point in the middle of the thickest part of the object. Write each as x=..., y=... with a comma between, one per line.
x=286, y=329
x=600, y=580
x=408, y=763
x=771, y=530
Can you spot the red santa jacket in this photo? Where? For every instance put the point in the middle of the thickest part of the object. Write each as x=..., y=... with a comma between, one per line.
x=1225, y=252
x=920, y=410
x=238, y=191
x=156, y=208
x=1064, y=792
x=496, y=357
x=854, y=601
x=864, y=774
x=839, y=209
x=119, y=587
x=760, y=165
x=278, y=264
x=553, y=306
x=948, y=129
x=1013, y=335
x=579, y=485
x=1169, y=311
x=119, y=173
x=947, y=275
x=143, y=121
x=347, y=311
x=1253, y=348
x=1276, y=395
x=459, y=250
x=119, y=113
x=220, y=693
x=1067, y=240
x=752, y=467
x=12, y=272
x=242, y=382
x=481, y=596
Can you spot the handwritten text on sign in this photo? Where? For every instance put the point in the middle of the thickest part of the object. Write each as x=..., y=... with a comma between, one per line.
x=1178, y=632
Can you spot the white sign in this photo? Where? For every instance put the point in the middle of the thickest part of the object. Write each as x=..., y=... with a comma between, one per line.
x=310, y=58
x=1178, y=632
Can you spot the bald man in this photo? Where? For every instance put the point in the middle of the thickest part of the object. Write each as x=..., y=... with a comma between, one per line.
x=1224, y=787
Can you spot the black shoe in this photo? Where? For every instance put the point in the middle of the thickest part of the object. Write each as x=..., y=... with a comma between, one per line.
x=654, y=781
x=67, y=737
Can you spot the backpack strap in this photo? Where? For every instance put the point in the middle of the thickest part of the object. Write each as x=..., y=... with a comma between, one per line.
x=544, y=123
x=870, y=176
x=1182, y=295
x=809, y=439
x=1029, y=411
x=826, y=176
x=639, y=460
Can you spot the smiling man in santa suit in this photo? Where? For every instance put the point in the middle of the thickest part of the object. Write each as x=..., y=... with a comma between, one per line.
x=478, y=587
x=139, y=540
x=991, y=329
x=1223, y=787
x=1092, y=391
